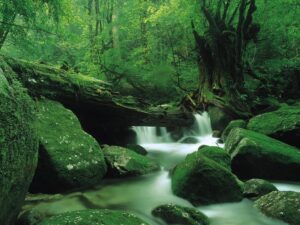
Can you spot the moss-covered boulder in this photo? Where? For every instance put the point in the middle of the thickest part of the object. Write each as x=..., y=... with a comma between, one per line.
x=123, y=162
x=175, y=214
x=231, y=125
x=256, y=188
x=94, y=217
x=18, y=145
x=282, y=124
x=203, y=181
x=216, y=154
x=284, y=206
x=69, y=158
x=254, y=155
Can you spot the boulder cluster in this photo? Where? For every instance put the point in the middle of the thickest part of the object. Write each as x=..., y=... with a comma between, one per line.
x=44, y=149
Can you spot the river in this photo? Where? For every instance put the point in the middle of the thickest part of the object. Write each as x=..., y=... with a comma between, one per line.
x=142, y=194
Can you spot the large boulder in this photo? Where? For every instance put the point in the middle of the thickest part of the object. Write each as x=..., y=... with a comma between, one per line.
x=255, y=155
x=219, y=155
x=175, y=214
x=69, y=158
x=203, y=181
x=284, y=206
x=123, y=162
x=18, y=145
x=94, y=217
x=231, y=125
x=282, y=124
x=256, y=188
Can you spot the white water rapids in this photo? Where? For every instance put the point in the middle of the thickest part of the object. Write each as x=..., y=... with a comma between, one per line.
x=144, y=194
x=141, y=195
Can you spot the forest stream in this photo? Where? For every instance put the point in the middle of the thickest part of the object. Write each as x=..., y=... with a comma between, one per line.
x=141, y=195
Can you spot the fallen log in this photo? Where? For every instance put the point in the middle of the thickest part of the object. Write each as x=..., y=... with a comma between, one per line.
x=91, y=99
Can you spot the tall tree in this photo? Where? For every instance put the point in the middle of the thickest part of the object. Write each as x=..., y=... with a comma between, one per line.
x=220, y=47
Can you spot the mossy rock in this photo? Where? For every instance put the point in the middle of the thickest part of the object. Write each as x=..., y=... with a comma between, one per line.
x=137, y=149
x=69, y=158
x=231, y=125
x=255, y=155
x=94, y=217
x=123, y=162
x=282, y=124
x=217, y=154
x=175, y=214
x=18, y=145
x=284, y=206
x=203, y=181
x=255, y=188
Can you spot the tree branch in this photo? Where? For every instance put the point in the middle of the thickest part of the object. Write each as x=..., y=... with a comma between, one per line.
x=27, y=27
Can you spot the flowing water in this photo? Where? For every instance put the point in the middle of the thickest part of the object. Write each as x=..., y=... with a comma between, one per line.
x=142, y=194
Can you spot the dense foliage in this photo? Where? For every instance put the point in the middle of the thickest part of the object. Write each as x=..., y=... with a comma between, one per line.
x=147, y=48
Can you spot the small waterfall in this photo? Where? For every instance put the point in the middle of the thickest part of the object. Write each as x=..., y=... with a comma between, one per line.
x=151, y=135
x=202, y=126
x=147, y=135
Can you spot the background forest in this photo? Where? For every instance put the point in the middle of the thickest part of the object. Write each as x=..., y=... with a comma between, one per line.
x=147, y=48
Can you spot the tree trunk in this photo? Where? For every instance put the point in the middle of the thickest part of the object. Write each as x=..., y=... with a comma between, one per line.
x=220, y=52
x=6, y=27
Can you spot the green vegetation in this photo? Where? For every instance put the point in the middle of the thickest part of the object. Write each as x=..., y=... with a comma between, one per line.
x=164, y=50
x=77, y=75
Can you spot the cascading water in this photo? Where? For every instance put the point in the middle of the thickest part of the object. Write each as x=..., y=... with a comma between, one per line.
x=142, y=194
x=146, y=135
x=202, y=125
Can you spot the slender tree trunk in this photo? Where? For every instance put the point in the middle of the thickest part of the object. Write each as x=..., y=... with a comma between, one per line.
x=98, y=19
x=6, y=28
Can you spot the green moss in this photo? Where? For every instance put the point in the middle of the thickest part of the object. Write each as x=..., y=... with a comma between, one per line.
x=283, y=119
x=255, y=155
x=175, y=214
x=203, y=181
x=256, y=188
x=69, y=158
x=94, y=217
x=283, y=124
x=216, y=154
x=267, y=144
x=124, y=162
x=231, y=125
x=281, y=205
x=18, y=144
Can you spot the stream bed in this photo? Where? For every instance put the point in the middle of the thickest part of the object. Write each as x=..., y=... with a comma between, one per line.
x=142, y=194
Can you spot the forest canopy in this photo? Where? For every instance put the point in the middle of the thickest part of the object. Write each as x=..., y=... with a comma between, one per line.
x=149, y=48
